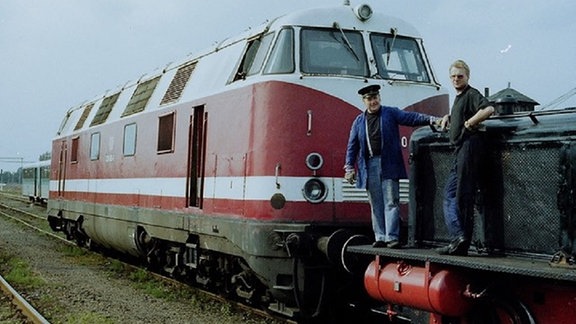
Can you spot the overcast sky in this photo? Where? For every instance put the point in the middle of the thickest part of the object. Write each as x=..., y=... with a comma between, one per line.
x=57, y=54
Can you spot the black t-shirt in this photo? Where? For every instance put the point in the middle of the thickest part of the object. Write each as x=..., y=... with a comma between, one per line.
x=466, y=105
x=374, y=133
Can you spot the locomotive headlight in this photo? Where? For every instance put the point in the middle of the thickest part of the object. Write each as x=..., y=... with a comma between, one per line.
x=314, y=191
x=363, y=12
x=314, y=161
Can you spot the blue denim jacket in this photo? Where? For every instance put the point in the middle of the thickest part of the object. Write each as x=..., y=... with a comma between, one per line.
x=391, y=157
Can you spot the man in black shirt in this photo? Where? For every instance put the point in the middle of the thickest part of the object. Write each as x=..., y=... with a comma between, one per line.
x=469, y=110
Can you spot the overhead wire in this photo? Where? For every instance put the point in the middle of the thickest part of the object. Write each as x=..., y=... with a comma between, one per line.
x=556, y=102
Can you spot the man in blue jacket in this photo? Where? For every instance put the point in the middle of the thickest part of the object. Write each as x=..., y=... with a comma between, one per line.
x=374, y=148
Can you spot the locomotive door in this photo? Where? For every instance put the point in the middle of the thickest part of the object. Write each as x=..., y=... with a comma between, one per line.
x=196, y=150
x=62, y=168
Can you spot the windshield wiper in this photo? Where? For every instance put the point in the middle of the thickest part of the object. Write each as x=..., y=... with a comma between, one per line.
x=345, y=41
x=394, y=32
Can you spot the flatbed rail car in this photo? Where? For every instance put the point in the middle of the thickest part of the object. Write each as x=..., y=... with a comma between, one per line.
x=522, y=266
x=225, y=168
x=36, y=181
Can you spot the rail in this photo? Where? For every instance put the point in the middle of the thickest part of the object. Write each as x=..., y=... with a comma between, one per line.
x=27, y=310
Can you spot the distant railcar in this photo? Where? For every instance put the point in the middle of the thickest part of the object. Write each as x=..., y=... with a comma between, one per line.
x=225, y=168
x=36, y=181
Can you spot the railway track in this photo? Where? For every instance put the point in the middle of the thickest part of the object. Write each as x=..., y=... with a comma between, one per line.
x=24, y=308
x=18, y=210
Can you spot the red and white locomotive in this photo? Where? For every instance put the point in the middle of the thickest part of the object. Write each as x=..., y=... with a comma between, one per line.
x=225, y=168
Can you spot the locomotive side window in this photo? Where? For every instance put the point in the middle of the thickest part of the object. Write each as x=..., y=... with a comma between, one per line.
x=65, y=123
x=166, y=133
x=398, y=58
x=74, y=150
x=129, y=139
x=104, y=109
x=256, y=65
x=281, y=59
x=95, y=146
x=254, y=56
x=85, y=114
x=334, y=52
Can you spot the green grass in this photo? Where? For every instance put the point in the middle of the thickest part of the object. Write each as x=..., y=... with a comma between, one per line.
x=81, y=256
x=19, y=274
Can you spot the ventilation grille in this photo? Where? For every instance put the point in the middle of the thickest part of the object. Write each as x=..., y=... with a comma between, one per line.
x=517, y=212
x=105, y=109
x=352, y=194
x=85, y=114
x=140, y=97
x=178, y=84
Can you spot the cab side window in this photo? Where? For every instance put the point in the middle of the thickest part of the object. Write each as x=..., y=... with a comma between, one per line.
x=281, y=59
x=254, y=56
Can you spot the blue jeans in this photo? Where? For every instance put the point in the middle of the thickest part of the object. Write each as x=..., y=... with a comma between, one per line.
x=384, y=197
x=451, y=213
x=461, y=187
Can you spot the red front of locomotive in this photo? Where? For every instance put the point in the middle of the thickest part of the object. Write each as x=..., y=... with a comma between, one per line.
x=293, y=139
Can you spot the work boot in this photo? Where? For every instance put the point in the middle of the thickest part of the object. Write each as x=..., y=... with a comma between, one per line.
x=458, y=246
x=379, y=244
x=394, y=244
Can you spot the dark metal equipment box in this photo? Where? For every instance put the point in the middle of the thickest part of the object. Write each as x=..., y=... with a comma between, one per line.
x=526, y=203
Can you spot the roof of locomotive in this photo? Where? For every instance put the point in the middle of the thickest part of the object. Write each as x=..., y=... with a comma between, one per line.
x=343, y=16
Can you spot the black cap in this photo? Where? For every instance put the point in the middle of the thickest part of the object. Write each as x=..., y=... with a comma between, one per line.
x=369, y=90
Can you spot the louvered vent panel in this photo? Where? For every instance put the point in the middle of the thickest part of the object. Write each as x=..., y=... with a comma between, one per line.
x=178, y=84
x=85, y=114
x=105, y=109
x=140, y=97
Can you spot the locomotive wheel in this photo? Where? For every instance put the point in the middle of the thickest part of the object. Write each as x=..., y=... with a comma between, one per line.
x=501, y=310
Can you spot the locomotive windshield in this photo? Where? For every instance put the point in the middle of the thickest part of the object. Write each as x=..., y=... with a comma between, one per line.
x=339, y=52
x=333, y=51
x=398, y=58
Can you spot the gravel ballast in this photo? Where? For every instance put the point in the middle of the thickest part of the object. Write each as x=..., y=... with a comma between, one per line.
x=87, y=291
